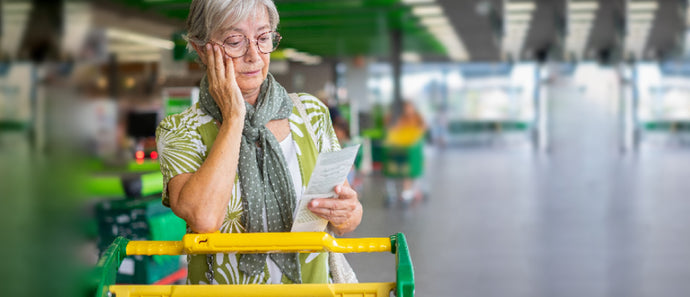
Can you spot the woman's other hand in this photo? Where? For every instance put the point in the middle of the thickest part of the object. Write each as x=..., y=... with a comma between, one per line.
x=344, y=212
x=223, y=87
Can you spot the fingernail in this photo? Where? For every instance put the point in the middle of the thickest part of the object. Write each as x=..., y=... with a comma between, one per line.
x=314, y=204
x=208, y=46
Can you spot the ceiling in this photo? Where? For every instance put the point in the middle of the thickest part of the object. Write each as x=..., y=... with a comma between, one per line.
x=488, y=30
x=331, y=28
x=556, y=29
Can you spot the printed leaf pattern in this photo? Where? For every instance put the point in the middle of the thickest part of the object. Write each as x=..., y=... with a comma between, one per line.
x=182, y=149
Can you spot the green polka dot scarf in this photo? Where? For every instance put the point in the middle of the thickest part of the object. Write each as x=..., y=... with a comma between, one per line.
x=265, y=181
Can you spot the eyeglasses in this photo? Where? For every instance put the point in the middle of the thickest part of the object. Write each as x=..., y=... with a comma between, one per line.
x=237, y=46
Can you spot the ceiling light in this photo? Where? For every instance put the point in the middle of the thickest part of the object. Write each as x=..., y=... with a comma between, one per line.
x=411, y=57
x=139, y=57
x=139, y=38
x=427, y=10
x=520, y=6
x=580, y=25
x=417, y=1
x=17, y=7
x=518, y=17
x=641, y=17
x=441, y=31
x=298, y=56
x=641, y=26
x=130, y=47
x=646, y=5
x=583, y=6
x=517, y=26
x=434, y=20
x=586, y=16
x=454, y=47
x=438, y=25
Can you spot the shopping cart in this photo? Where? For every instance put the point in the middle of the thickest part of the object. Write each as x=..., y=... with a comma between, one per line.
x=301, y=242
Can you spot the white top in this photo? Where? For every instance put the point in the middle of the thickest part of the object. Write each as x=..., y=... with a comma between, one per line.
x=289, y=148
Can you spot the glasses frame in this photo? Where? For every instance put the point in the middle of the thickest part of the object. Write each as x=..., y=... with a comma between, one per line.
x=256, y=42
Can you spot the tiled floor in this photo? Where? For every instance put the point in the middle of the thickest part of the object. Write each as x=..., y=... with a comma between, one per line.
x=582, y=219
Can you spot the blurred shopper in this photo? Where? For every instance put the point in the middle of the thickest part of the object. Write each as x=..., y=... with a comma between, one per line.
x=333, y=110
x=405, y=153
x=409, y=118
x=239, y=160
x=342, y=131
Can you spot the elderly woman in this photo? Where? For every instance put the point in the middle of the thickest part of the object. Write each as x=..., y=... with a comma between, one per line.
x=239, y=160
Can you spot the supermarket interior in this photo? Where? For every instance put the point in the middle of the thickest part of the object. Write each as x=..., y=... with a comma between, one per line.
x=523, y=147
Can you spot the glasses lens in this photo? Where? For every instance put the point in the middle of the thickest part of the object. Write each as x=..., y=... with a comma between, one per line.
x=268, y=42
x=235, y=45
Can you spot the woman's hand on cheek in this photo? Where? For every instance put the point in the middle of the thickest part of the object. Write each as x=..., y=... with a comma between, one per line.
x=343, y=212
x=223, y=87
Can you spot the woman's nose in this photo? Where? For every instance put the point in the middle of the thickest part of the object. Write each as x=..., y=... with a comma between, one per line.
x=253, y=51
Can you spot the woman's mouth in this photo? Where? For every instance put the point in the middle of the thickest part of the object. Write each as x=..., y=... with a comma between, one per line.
x=251, y=73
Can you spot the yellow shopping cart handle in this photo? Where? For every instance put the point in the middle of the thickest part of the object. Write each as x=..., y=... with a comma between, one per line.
x=289, y=242
x=253, y=290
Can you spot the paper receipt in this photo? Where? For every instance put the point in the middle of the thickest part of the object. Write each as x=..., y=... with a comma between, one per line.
x=331, y=170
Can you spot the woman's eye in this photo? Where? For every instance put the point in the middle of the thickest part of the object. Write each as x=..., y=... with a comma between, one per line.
x=234, y=41
x=233, y=44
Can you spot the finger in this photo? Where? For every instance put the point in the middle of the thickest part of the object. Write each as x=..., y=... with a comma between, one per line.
x=337, y=216
x=331, y=212
x=219, y=55
x=210, y=62
x=328, y=204
x=229, y=67
x=344, y=191
x=231, y=79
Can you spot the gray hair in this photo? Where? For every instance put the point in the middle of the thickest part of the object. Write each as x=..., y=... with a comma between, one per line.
x=206, y=16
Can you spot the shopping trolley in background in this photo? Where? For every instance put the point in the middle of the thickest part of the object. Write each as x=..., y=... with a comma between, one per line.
x=289, y=242
x=403, y=161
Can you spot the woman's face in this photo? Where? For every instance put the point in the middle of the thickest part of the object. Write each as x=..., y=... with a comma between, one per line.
x=252, y=68
x=408, y=109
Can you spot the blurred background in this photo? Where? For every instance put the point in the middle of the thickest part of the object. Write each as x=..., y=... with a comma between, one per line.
x=525, y=147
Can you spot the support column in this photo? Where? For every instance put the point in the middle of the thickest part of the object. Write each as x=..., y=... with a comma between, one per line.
x=396, y=63
x=113, y=77
x=42, y=38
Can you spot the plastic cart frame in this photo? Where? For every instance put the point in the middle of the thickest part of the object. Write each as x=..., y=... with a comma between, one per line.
x=302, y=242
